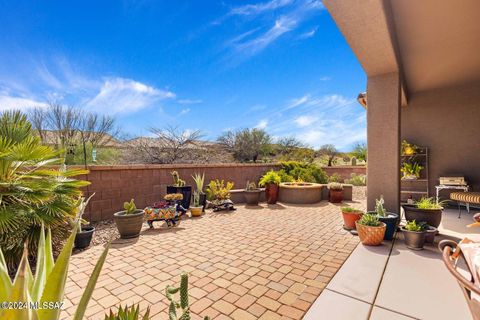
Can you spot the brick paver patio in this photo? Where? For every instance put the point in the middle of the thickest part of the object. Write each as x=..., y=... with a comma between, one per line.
x=256, y=263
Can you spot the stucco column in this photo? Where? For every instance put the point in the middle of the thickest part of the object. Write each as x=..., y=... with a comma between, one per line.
x=383, y=134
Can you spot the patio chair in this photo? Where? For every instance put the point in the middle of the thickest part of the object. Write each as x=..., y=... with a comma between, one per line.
x=470, y=290
x=465, y=197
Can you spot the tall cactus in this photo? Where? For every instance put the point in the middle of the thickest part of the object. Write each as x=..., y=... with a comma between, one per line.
x=174, y=305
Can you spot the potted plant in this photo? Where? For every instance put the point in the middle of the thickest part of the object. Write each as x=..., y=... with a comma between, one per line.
x=335, y=194
x=371, y=230
x=425, y=210
x=85, y=233
x=218, y=191
x=196, y=208
x=350, y=215
x=199, y=181
x=414, y=234
x=179, y=186
x=408, y=149
x=252, y=194
x=271, y=181
x=411, y=171
x=129, y=221
x=389, y=218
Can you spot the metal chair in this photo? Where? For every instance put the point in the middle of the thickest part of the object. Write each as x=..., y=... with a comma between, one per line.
x=468, y=287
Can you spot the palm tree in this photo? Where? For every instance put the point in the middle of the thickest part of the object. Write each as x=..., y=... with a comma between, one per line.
x=32, y=191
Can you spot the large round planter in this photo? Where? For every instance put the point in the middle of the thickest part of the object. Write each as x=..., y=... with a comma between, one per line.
x=185, y=190
x=300, y=192
x=83, y=239
x=349, y=219
x=432, y=217
x=129, y=225
x=414, y=240
x=391, y=221
x=271, y=192
x=252, y=197
x=335, y=196
x=196, y=211
x=371, y=236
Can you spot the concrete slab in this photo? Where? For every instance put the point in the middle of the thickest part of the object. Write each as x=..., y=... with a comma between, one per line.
x=360, y=275
x=382, y=314
x=334, y=306
x=457, y=227
x=417, y=284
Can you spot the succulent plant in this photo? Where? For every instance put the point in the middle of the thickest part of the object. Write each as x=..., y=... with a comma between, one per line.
x=379, y=209
x=128, y=313
x=335, y=186
x=81, y=206
x=415, y=227
x=129, y=207
x=48, y=284
x=183, y=304
x=270, y=177
x=351, y=210
x=370, y=220
x=177, y=182
x=251, y=186
x=199, y=181
x=196, y=198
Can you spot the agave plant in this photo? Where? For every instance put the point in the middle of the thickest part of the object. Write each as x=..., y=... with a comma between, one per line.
x=43, y=293
x=128, y=313
x=32, y=192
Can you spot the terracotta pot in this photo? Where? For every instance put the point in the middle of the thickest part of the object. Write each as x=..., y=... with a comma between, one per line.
x=349, y=219
x=432, y=217
x=371, y=236
x=391, y=220
x=271, y=192
x=128, y=225
x=252, y=197
x=196, y=211
x=335, y=196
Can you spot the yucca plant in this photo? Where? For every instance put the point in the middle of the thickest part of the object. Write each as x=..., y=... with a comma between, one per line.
x=32, y=192
x=47, y=287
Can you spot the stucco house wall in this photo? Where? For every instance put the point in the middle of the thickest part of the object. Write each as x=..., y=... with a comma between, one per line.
x=448, y=122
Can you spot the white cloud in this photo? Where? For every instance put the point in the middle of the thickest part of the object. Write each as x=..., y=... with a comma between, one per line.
x=254, y=9
x=262, y=124
x=305, y=121
x=308, y=34
x=119, y=95
x=297, y=102
x=8, y=102
x=325, y=78
x=254, y=41
x=184, y=111
x=190, y=101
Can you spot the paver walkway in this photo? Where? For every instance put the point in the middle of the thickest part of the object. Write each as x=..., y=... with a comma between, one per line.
x=256, y=263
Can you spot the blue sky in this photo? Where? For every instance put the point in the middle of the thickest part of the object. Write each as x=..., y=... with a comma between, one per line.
x=281, y=65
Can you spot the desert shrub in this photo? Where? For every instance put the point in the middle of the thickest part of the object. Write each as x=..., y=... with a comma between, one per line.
x=307, y=172
x=217, y=190
x=357, y=179
x=284, y=177
x=334, y=178
x=32, y=192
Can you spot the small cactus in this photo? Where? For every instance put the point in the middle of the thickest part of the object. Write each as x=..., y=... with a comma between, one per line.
x=174, y=305
x=177, y=182
x=129, y=207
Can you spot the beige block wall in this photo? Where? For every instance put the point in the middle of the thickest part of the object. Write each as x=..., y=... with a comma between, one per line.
x=448, y=122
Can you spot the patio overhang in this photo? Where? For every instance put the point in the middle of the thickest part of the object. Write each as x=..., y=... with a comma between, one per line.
x=421, y=56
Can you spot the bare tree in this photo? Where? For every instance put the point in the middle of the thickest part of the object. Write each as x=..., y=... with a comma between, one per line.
x=39, y=119
x=330, y=152
x=287, y=145
x=96, y=131
x=170, y=145
x=64, y=122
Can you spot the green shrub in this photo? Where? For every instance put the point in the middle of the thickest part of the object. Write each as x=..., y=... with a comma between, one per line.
x=429, y=204
x=306, y=172
x=284, y=177
x=217, y=190
x=357, y=179
x=32, y=193
x=270, y=177
x=334, y=178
